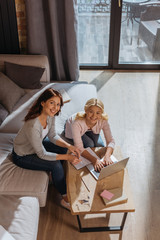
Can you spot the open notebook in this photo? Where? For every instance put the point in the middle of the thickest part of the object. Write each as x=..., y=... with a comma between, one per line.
x=84, y=162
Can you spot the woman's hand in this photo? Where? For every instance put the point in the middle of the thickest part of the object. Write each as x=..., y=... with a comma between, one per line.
x=72, y=159
x=107, y=160
x=74, y=150
x=98, y=165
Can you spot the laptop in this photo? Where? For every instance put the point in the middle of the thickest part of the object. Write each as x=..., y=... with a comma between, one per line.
x=116, y=166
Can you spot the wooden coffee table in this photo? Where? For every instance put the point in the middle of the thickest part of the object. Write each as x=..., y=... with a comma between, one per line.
x=84, y=193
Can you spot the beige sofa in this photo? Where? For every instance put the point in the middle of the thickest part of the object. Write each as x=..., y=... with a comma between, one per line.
x=22, y=191
x=19, y=216
x=25, y=190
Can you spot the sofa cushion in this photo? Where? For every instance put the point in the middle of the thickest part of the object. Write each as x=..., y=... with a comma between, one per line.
x=22, y=182
x=3, y=113
x=24, y=76
x=14, y=121
x=10, y=93
x=19, y=216
x=66, y=98
x=6, y=145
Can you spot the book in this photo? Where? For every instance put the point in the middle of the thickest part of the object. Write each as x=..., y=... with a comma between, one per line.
x=107, y=195
x=118, y=197
x=5, y=235
x=84, y=162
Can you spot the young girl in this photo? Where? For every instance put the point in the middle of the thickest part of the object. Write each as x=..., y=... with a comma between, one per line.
x=37, y=147
x=85, y=127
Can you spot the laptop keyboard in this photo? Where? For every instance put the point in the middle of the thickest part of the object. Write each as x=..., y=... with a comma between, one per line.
x=96, y=173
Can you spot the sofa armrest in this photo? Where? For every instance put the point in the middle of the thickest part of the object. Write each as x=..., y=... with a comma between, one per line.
x=27, y=60
x=19, y=216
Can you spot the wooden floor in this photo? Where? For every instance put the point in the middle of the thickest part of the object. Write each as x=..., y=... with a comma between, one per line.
x=132, y=101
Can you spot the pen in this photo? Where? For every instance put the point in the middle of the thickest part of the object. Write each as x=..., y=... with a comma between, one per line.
x=85, y=185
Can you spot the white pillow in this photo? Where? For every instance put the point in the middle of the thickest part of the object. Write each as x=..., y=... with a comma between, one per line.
x=65, y=96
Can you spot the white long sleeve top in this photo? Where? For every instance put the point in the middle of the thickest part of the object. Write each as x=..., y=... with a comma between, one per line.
x=30, y=136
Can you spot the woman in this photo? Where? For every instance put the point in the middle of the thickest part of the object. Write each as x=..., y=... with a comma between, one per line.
x=37, y=147
x=85, y=127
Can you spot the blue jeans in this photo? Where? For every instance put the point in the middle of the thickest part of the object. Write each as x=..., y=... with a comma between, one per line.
x=91, y=139
x=33, y=162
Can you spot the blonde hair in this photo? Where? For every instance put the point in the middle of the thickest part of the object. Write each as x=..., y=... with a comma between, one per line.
x=92, y=102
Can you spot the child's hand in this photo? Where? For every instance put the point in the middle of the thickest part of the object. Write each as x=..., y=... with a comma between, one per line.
x=72, y=159
x=98, y=165
x=107, y=161
x=74, y=150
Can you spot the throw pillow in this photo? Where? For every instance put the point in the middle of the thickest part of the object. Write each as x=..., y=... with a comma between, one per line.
x=10, y=93
x=3, y=113
x=24, y=76
x=65, y=96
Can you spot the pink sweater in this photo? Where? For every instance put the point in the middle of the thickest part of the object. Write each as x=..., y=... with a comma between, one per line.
x=76, y=128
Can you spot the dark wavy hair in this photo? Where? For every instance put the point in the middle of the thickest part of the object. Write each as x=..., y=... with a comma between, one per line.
x=36, y=108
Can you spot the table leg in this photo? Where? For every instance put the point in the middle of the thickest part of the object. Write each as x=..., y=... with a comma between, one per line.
x=124, y=220
x=102, y=229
